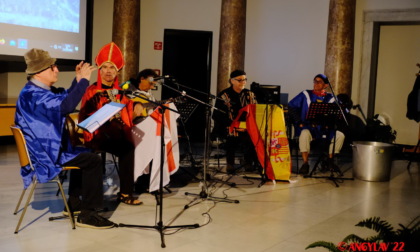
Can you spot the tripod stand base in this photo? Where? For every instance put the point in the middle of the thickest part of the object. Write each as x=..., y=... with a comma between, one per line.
x=160, y=228
x=332, y=167
x=331, y=177
x=204, y=195
x=263, y=181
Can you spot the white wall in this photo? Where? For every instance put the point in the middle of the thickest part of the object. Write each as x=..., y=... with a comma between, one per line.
x=286, y=42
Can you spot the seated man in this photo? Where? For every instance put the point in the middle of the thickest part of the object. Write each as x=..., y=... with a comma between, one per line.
x=307, y=130
x=114, y=136
x=40, y=114
x=231, y=100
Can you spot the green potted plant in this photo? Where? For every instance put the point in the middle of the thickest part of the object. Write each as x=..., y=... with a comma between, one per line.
x=405, y=238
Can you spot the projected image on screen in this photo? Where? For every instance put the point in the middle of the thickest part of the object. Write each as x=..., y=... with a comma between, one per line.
x=55, y=15
x=58, y=26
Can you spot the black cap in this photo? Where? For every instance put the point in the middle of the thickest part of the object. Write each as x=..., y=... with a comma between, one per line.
x=323, y=77
x=237, y=73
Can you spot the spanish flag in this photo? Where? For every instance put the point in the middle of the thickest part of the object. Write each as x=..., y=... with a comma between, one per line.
x=266, y=126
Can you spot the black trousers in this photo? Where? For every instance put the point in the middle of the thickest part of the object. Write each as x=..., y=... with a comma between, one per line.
x=241, y=142
x=112, y=138
x=124, y=150
x=87, y=182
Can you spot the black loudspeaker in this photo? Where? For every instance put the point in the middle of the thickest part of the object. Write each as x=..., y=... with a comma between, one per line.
x=142, y=184
x=183, y=176
x=266, y=94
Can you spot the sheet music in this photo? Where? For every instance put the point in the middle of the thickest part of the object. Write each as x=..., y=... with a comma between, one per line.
x=101, y=116
x=319, y=111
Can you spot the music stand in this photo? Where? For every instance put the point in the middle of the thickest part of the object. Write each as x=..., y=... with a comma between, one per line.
x=185, y=109
x=326, y=115
x=318, y=111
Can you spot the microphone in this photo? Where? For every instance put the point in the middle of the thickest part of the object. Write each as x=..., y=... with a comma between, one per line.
x=162, y=77
x=123, y=92
x=117, y=91
x=128, y=87
x=125, y=85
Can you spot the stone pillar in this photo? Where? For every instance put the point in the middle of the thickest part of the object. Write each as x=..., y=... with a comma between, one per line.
x=231, y=41
x=126, y=34
x=340, y=45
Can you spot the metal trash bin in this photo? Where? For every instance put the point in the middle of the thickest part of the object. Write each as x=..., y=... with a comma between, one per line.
x=372, y=160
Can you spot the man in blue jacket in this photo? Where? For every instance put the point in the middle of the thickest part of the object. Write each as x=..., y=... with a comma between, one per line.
x=40, y=114
x=308, y=130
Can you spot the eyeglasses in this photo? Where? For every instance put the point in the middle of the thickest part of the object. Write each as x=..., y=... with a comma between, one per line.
x=241, y=80
x=318, y=82
x=52, y=68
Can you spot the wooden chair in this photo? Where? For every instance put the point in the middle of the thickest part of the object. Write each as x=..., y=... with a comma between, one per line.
x=25, y=160
x=75, y=132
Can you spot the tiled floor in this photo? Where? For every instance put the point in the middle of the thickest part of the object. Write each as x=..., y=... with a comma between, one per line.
x=273, y=217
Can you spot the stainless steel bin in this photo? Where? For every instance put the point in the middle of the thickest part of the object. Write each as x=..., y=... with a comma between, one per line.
x=372, y=160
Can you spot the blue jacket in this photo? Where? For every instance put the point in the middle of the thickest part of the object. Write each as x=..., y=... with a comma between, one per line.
x=40, y=114
x=299, y=107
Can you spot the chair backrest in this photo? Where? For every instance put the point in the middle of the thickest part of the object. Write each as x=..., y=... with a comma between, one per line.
x=75, y=132
x=21, y=147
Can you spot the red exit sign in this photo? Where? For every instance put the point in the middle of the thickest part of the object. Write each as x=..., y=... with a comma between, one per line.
x=157, y=45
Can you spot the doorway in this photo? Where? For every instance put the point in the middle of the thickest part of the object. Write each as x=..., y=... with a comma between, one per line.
x=372, y=64
x=187, y=58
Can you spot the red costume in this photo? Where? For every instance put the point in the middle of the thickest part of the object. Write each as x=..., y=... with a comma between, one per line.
x=113, y=136
x=112, y=54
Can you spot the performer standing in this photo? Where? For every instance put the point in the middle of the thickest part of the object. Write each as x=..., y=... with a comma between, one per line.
x=231, y=100
x=115, y=135
x=306, y=130
x=40, y=114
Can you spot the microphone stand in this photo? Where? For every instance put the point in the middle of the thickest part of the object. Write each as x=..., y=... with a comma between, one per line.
x=204, y=190
x=159, y=225
x=334, y=168
x=361, y=111
x=263, y=174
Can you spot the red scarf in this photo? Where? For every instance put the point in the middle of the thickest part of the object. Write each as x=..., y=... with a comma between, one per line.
x=320, y=93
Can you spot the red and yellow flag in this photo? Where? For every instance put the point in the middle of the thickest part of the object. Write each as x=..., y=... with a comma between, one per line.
x=266, y=126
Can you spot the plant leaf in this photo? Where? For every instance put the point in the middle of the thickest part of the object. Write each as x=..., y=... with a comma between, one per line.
x=354, y=238
x=382, y=227
x=328, y=245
